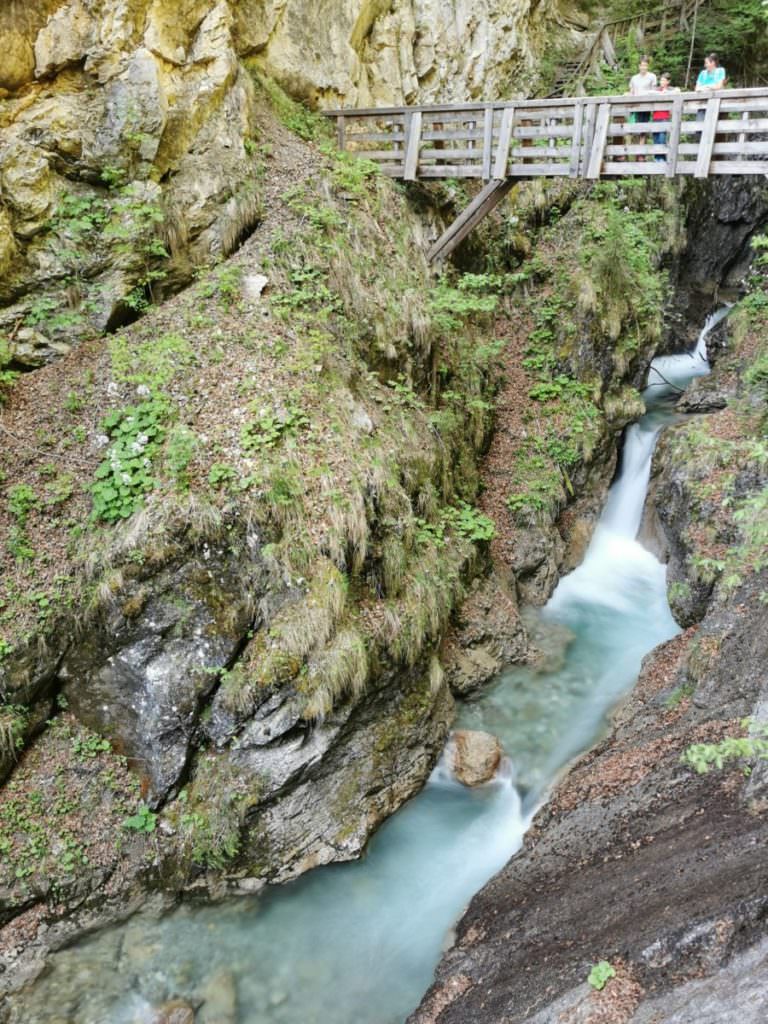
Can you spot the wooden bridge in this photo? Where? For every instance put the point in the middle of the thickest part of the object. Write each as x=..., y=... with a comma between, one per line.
x=589, y=137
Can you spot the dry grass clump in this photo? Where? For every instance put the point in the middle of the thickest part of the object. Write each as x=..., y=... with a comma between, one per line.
x=340, y=671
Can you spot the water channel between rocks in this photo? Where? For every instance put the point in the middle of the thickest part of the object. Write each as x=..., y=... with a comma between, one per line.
x=357, y=943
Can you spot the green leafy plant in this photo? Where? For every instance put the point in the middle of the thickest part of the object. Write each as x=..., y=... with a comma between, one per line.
x=22, y=500
x=179, y=453
x=7, y=377
x=600, y=975
x=271, y=427
x=703, y=757
x=124, y=477
x=86, y=748
x=220, y=474
x=469, y=522
x=144, y=820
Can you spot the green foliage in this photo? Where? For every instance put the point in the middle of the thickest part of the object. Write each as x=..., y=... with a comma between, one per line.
x=133, y=230
x=13, y=724
x=703, y=757
x=558, y=387
x=678, y=695
x=225, y=282
x=88, y=747
x=144, y=820
x=22, y=500
x=220, y=474
x=124, y=477
x=308, y=292
x=469, y=522
x=179, y=453
x=451, y=306
x=296, y=118
x=7, y=377
x=601, y=974
x=351, y=175
x=270, y=427
x=462, y=519
x=151, y=362
x=735, y=29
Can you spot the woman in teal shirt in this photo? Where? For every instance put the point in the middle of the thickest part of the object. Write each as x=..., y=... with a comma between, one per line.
x=712, y=76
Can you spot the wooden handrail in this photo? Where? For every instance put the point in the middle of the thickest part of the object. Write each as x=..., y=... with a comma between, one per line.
x=350, y=113
x=699, y=134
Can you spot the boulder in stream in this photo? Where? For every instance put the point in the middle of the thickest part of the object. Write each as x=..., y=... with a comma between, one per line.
x=473, y=756
x=177, y=1011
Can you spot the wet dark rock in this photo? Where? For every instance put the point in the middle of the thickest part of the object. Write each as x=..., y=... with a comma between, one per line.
x=140, y=677
x=488, y=635
x=725, y=212
x=705, y=394
x=473, y=757
x=537, y=553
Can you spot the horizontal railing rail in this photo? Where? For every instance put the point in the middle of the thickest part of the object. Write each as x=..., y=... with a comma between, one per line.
x=693, y=133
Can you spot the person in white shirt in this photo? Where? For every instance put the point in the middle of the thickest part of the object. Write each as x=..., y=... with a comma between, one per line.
x=639, y=85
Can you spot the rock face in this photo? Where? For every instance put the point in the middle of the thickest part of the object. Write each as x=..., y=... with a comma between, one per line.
x=133, y=126
x=473, y=757
x=488, y=635
x=376, y=52
x=144, y=677
x=725, y=213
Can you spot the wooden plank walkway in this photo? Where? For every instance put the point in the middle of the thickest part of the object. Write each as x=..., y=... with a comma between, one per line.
x=589, y=137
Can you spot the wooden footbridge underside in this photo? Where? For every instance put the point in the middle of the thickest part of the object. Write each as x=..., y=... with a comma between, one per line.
x=588, y=137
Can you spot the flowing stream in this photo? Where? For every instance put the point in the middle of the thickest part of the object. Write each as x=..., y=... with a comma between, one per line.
x=358, y=943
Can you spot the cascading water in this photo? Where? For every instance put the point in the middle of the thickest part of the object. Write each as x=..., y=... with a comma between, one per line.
x=357, y=943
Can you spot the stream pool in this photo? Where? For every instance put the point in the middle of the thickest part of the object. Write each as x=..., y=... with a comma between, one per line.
x=357, y=943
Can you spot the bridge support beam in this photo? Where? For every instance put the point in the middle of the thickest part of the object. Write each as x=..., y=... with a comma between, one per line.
x=487, y=199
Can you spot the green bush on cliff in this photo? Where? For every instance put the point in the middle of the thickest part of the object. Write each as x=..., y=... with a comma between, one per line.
x=7, y=377
x=125, y=476
x=703, y=757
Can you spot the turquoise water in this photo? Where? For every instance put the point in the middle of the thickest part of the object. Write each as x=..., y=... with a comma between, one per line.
x=358, y=943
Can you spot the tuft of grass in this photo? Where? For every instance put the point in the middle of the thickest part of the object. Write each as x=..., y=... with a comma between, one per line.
x=341, y=671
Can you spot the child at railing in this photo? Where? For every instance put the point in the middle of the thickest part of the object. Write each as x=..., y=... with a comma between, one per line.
x=660, y=138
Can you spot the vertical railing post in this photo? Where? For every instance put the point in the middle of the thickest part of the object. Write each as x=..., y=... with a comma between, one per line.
x=487, y=142
x=673, y=139
x=588, y=134
x=743, y=135
x=598, y=144
x=707, y=138
x=412, y=145
x=341, y=132
x=578, y=119
x=505, y=138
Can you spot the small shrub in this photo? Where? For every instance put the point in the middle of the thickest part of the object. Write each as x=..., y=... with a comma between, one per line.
x=144, y=820
x=703, y=757
x=601, y=974
x=124, y=477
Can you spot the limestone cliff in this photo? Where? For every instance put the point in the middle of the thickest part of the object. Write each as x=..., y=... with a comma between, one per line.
x=127, y=130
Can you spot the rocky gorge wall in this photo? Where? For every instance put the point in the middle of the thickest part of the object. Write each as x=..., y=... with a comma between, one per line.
x=131, y=124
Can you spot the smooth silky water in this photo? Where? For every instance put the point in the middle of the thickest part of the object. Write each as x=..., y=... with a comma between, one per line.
x=358, y=943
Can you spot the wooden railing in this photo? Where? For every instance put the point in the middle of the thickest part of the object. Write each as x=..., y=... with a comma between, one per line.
x=590, y=137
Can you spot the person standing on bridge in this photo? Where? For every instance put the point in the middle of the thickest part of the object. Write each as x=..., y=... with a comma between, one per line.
x=712, y=76
x=639, y=85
